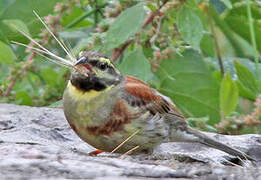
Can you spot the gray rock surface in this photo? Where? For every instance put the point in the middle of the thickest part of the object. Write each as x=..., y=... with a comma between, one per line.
x=37, y=143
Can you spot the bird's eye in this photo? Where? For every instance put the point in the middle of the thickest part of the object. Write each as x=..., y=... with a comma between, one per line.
x=103, y=66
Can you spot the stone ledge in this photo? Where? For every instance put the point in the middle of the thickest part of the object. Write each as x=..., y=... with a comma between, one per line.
x=38, y=143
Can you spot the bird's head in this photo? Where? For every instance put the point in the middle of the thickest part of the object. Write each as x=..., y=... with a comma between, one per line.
x=95, y=72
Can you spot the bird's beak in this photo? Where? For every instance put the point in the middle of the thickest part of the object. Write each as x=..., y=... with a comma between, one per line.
x=86, y=69
x=80, y=61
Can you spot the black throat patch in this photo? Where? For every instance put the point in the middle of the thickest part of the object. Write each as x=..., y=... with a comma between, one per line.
x=85, y=84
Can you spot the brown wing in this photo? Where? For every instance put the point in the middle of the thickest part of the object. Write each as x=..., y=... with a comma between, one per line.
x=145, y=96
x=137, y=94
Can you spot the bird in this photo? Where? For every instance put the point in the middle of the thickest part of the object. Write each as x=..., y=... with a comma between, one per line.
x=105, y=107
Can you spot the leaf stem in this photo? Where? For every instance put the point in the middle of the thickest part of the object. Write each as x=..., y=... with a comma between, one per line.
x=213, y=32
x=252, y=33
x=96, y=13
x=84, y=15
x=230, y=35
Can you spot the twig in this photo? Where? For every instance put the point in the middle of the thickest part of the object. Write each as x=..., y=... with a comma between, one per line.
x=30, y=58
x=154, y=37
x=153, y=14
x=118, y=51
x=121, y=144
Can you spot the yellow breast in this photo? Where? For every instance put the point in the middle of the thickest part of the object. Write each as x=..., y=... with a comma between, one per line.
x=77, y=94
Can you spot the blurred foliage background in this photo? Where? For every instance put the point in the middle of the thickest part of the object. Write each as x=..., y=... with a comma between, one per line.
x=203, y=54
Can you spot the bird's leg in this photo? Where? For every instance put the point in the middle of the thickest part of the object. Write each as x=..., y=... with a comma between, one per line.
x=96, y=152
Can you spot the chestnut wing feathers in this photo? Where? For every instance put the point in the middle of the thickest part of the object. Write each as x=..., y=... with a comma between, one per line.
x=136, y=94
x=140, y=94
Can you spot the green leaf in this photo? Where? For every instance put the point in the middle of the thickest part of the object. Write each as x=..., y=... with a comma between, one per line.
x=4, y=4
x=228, y=63
x=125, y=26
x=6, y=53
x=9, y=28
x=15, y=24
x=227, y=3
x=189, y=83
x=23, y=10
x=219, y=6
x=24, y=98
x=246, y=78
x=240, y=49
x=207, y=46
x=228, y=95
x=76, y=13
x=230, y=67
x=136, y=64
x=50, y=77
x=190, y=27
x=237, y=20
x=152, y=6
x=245, y=92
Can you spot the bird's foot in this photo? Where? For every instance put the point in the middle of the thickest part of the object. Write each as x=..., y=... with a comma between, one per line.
x=96, y=152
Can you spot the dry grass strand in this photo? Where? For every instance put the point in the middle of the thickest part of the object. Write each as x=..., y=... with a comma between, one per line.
x=121, y=144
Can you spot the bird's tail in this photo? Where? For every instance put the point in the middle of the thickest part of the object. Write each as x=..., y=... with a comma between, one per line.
x=202, y=138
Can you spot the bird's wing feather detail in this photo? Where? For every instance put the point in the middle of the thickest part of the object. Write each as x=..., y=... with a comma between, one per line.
x=144, y=96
